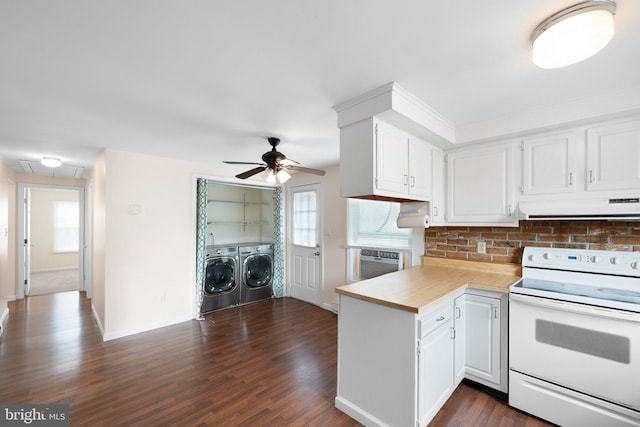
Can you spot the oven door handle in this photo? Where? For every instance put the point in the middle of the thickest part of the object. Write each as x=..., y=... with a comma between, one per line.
x=575, y=308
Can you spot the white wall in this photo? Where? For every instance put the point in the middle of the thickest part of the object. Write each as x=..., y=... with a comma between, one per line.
x=7, y=237
x=149, y=258
x=97, y=179
x=334, y=239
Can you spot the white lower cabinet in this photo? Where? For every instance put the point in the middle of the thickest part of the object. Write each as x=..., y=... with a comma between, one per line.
x=482, y=347
x=459, y=318
x=398, y=368
x=481, y=329
x=435, y=363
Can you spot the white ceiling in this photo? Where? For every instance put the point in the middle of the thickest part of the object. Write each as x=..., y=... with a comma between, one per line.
x=208, y=80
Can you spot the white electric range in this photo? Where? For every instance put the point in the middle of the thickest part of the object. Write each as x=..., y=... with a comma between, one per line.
x=574, y=337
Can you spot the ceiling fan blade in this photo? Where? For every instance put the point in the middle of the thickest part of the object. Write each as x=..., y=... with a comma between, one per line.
x=242, y=163
x=247, y=174
x=306, y=170
x=288, y=162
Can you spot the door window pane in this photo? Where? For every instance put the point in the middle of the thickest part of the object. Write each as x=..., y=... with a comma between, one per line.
x=305, y=218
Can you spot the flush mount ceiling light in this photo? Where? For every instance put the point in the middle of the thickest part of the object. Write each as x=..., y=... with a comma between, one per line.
x=51, y=162
x=573, y=34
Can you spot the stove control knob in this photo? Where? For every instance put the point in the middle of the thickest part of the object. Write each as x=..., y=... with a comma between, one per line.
x=548, y=255
x=533, y=257
x=615, y=260
x=595, y=258
x=635, y=265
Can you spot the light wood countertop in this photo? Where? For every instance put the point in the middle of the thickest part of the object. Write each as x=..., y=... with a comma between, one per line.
x=419, y=288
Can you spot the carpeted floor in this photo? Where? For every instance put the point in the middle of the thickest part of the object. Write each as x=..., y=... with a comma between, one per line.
x=49, y=282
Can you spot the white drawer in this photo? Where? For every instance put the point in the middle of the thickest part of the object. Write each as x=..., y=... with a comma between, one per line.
x=432, y=321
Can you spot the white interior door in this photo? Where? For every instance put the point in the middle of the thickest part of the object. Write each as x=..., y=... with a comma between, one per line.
x=27, y=241
x=305, y=248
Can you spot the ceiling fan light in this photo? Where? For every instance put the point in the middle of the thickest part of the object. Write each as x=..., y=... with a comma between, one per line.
x=573, y=34
x=51, y=162
x=282, y=176
x=268, y=176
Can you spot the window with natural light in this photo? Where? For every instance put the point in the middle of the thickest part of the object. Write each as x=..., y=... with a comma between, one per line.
x=373, y=223
x=66, y=226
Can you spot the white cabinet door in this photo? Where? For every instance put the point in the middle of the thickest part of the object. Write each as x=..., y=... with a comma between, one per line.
x=420, y=164
x=438, y=183
x=482, y=332
x=480, y=186
x=548, y=164
x=392, y=171
x=435, y=367
x=613, y=156
x=459, y=319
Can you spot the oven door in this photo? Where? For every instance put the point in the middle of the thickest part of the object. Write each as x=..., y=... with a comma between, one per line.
x=589, y=349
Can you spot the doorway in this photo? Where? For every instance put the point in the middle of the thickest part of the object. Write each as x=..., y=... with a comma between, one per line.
x=306, y=253
x=51, y=235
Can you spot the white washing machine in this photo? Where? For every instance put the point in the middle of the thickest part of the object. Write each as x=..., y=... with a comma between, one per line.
x=221, y=286
x=256, y=271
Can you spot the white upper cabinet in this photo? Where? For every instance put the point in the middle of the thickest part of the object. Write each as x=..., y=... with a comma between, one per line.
x=420, y=163
x=548, y=164
x=613, y=156
x=480, y=186
x=380, y=161
x=437, y=208
x=392, y=153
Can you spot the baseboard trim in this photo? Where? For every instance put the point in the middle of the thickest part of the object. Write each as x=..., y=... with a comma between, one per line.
x=357, y=413
x=125, y=333
x=4, y=316
x=97, y=319
x=330, y=307
x=11, y=298
x=48, y=270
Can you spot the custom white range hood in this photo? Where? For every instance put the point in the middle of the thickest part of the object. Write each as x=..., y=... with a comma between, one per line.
x=597, y=208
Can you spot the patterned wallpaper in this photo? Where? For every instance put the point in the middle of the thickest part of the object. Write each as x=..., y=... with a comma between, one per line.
x=505, y=244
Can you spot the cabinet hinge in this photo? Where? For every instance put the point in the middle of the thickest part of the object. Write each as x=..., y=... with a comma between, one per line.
x=495, y=312
x=418, y=349
x=25, y=282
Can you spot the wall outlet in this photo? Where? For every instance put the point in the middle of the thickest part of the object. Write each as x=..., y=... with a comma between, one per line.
x=482, y=247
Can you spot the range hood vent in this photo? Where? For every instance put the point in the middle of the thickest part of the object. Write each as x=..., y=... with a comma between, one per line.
x=623, y=209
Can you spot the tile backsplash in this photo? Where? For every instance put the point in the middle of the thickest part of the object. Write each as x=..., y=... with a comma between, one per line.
x=505, y=244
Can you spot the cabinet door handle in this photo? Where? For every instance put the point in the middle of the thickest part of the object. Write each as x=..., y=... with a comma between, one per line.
x=458, y=313
x=570, y=178
x=510, y=208
x=435, y=211
x=406, y=182
x=413, y=181
x=440, y=319
x=591, y=177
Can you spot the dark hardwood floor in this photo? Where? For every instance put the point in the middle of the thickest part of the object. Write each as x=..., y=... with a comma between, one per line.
x=272, y=363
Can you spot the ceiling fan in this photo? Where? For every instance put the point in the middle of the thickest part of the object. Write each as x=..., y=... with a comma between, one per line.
x=276, y=163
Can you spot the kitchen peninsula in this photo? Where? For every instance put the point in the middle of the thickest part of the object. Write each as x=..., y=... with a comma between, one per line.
x=407, y=339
